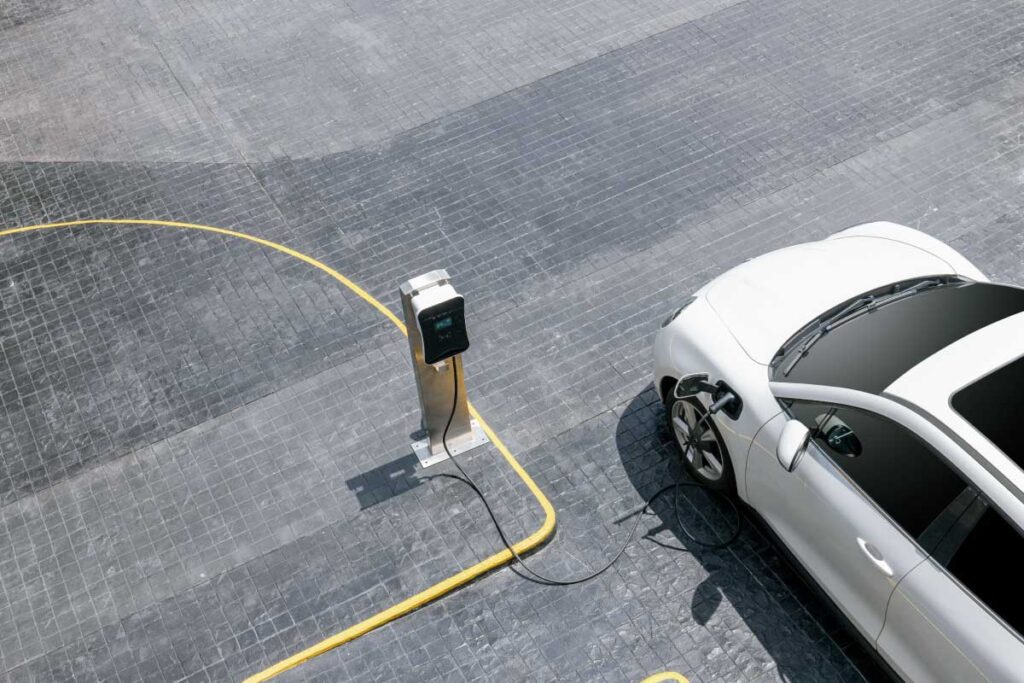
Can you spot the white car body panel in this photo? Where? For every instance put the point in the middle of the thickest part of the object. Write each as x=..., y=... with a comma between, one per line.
x=827, y=544
x=934, y=631
x=938, y=439
x=905, y=644
x=931, y=628
x=699, y=342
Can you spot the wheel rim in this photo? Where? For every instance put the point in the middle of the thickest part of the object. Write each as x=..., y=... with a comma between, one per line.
x=705, y=455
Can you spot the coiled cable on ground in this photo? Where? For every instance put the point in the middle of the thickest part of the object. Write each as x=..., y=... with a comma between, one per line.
x=531, y=574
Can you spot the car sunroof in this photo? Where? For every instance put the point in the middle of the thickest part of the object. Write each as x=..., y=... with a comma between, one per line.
x=995, y=406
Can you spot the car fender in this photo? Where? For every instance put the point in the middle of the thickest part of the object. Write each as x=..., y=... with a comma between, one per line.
x=698, y=341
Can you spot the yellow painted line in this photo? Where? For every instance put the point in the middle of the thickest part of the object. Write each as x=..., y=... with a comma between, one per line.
x=423, y=597
x=666, y=676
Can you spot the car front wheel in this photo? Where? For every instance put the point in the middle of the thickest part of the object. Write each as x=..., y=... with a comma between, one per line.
x=706, y=458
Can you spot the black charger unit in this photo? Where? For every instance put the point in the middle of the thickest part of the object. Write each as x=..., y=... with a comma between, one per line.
x=442, y=328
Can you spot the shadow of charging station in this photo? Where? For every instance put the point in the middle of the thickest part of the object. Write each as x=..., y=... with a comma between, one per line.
x=384, y=482
x=436, y=321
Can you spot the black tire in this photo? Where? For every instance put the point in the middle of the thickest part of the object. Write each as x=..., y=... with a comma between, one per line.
x=717, y=473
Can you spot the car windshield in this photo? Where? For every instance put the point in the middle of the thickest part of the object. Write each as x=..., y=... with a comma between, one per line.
x=994, y=405
x=863, y=304
x=869, y=342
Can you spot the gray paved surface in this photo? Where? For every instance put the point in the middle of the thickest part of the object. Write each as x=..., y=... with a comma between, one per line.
x=204, y=442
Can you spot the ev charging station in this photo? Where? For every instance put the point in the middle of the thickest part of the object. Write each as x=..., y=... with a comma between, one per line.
x=436, y=322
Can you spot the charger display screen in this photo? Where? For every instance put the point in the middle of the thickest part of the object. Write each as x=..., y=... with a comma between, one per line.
x=443, y=330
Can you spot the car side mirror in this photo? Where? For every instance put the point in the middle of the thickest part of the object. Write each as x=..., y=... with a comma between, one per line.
x=792, y=441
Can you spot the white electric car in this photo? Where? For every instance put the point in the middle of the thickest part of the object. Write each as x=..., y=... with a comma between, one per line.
x=879, y=434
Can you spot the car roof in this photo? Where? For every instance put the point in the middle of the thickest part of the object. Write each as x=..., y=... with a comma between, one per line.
x=931, y=384
x=871, y=352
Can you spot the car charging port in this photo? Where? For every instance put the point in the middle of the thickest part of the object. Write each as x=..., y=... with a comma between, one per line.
x=723, y=398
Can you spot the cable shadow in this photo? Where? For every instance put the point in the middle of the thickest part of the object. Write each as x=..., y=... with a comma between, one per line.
x=750, y=580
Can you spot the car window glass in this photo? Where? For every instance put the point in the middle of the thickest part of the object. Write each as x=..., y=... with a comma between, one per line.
x=903, y=476
x=983, y=553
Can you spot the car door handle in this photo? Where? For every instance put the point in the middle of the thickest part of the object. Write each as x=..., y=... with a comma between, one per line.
x=875, y=556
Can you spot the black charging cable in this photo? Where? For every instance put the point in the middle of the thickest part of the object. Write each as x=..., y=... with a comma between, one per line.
x=532, y=575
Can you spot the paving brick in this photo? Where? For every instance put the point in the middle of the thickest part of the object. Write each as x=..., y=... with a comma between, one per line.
x=205, y=443
x=184, y=81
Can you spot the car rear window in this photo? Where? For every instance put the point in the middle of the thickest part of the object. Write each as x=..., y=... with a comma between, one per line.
x=995, y=406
